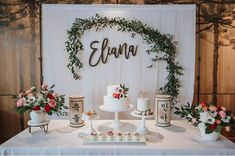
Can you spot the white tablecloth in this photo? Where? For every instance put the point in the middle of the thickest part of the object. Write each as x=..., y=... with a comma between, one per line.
x=178, y=139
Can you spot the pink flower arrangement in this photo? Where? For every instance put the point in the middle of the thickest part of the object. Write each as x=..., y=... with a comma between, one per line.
x=211, y=116
x=45, y=100
x=120, y=92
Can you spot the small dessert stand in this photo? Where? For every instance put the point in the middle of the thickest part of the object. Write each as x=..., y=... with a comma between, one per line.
x=90, y=128
x=116, y=124
x=43, y=125
x=142, y=129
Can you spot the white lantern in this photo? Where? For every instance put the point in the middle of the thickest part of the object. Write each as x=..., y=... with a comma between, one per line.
x=75, y=110
x=163, y=110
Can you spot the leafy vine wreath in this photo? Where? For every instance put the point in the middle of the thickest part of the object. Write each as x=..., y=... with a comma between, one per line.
x=158, y=43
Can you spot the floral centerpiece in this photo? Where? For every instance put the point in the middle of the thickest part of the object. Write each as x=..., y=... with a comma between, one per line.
x=208, y=117
x=45, y=100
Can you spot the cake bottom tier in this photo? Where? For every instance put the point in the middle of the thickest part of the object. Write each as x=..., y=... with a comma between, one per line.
x=111, y=103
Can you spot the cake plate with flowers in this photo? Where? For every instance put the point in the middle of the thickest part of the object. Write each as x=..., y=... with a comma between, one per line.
x=116, y=124
x=142, y=129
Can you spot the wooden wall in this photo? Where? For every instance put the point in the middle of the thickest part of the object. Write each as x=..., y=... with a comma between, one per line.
x=226, y=73
x=19, y=62
x=20, y=65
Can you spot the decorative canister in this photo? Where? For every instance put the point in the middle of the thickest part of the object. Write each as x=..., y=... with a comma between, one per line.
x=75, y=110
x=163, y=110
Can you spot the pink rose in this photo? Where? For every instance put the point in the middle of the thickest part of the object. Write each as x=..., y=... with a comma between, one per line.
x=54, y=94
x=20, y=95
x=28, y=91
x=213, y=108
x=30, y=94
x=52, y=103
x=116, y=89
x=44, y=86
x=204, y=109
x=222, y=114
x=20, y=102
x=218, y=122
x=223, y=108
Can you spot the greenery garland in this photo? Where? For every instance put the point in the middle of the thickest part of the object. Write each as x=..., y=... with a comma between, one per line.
x=158, y=43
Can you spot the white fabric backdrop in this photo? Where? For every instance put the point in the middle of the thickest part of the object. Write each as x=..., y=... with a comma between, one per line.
x=178, y=20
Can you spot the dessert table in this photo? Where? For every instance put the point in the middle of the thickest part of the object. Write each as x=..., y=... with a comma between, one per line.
x=178, y=139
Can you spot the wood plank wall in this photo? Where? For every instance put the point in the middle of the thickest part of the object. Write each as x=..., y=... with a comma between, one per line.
x=20, y=69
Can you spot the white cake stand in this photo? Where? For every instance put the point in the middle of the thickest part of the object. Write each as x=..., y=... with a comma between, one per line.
x=116, y=124
x=142, y=129
x=43, y=125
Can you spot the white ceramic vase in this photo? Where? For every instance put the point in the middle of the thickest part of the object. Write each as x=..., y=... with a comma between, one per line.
x=208, y=137
x=38, y=116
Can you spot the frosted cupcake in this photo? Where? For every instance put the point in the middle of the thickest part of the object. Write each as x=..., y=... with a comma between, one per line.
x=109, y=136
x=93, y=137
x=127, y=136
x=118, y=136
x=135, y=136
x=101, y=137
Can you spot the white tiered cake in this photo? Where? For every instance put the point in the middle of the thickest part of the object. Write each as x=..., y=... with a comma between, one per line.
x=143, y=107
x=116, y=98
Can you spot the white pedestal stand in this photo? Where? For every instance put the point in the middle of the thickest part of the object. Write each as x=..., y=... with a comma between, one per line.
x=90, y=128
x=43, y=125
x=142, y=129
x=116, y=124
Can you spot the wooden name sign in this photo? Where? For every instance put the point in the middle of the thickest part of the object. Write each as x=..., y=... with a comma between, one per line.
x=105, y=50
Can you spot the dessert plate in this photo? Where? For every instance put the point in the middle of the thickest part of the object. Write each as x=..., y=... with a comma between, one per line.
x=140, y=141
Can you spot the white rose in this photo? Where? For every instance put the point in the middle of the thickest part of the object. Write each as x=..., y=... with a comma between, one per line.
x=204, y=117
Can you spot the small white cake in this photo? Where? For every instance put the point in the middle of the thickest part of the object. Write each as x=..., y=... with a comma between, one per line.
x=101, y=137
x=143, y=104
x=135, y=136
x=118, y=137
x=109, y=136
x=116, y=98
x=143, y=107
x=93, y=137
x=127, y=136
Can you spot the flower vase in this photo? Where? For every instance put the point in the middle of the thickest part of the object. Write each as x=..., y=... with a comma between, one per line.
x=38, y=116
x=208, y=137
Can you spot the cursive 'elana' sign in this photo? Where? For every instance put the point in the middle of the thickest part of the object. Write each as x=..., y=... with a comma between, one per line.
x=158, y=43
x=105, y=50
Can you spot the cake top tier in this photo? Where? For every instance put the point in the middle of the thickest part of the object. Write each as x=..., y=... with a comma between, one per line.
x=117, y=91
